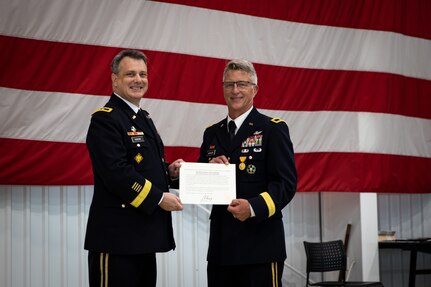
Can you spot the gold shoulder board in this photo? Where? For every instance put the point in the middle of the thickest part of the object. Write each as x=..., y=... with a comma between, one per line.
x=103, y=109
x=277, y=120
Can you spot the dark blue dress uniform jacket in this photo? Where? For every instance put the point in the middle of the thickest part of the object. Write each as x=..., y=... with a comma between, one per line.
x=265, y=175
x=130, y=176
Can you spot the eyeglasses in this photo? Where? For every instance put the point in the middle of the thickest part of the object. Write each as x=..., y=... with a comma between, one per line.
x=241, y=85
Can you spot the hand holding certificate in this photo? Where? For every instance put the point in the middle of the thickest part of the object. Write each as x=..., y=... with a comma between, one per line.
x=207, y=183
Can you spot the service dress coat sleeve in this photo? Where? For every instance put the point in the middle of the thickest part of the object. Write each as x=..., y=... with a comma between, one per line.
x=280, y=173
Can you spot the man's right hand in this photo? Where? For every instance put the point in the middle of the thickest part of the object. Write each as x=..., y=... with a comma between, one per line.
x=171, y=202
x=220, y=159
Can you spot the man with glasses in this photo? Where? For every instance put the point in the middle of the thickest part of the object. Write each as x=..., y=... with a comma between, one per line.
x=247, y=245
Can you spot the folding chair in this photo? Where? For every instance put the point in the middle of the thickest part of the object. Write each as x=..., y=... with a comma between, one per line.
x=330, y=256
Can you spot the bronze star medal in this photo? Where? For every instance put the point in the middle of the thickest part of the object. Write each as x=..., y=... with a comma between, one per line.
x=242, y=164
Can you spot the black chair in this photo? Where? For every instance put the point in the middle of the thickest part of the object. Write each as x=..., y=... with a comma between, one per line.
x=330, y=256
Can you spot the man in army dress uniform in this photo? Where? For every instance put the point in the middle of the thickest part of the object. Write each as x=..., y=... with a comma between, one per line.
x=129, y=219
x=247, y=244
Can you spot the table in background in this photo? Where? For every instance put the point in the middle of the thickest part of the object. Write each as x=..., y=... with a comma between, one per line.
x=414, y=246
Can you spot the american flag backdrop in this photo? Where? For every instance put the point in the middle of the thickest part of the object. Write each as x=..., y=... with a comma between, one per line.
x=352, y=79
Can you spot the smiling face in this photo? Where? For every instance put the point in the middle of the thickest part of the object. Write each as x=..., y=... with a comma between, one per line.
x=131, y=81
x=238, y=99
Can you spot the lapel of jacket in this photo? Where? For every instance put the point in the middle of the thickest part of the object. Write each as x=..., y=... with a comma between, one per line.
x=134, y=118
x=222, y=134
x=150, y=123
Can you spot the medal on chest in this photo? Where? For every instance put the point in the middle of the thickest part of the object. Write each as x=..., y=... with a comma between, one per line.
x=242, y=159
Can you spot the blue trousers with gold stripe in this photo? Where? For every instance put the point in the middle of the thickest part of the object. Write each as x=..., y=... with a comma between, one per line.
x=113, y=270
x=253, y=275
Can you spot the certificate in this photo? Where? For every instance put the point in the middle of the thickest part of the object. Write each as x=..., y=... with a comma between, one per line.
x=207, y=183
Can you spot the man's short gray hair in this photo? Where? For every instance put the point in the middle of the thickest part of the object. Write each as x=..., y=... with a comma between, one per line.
x=134, y=54
x=242, y=65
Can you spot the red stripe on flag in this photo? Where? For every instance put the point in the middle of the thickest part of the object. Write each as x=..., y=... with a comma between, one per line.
x=354, y=172
x=402, y=16
x=55, y=66
x=358, y=172
x=62, y=67
x=190, y=154
x=27, y=162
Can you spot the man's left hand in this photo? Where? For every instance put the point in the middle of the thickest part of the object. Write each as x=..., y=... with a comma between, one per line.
x=240, y=209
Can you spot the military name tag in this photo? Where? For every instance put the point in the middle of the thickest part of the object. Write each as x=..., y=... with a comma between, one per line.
x=138, y=139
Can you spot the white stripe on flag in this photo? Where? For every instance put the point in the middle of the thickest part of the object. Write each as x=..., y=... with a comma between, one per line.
x=49, y=117
x=173, y=28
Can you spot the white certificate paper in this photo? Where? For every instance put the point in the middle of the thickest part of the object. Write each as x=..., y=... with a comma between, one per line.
x=207, y=183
